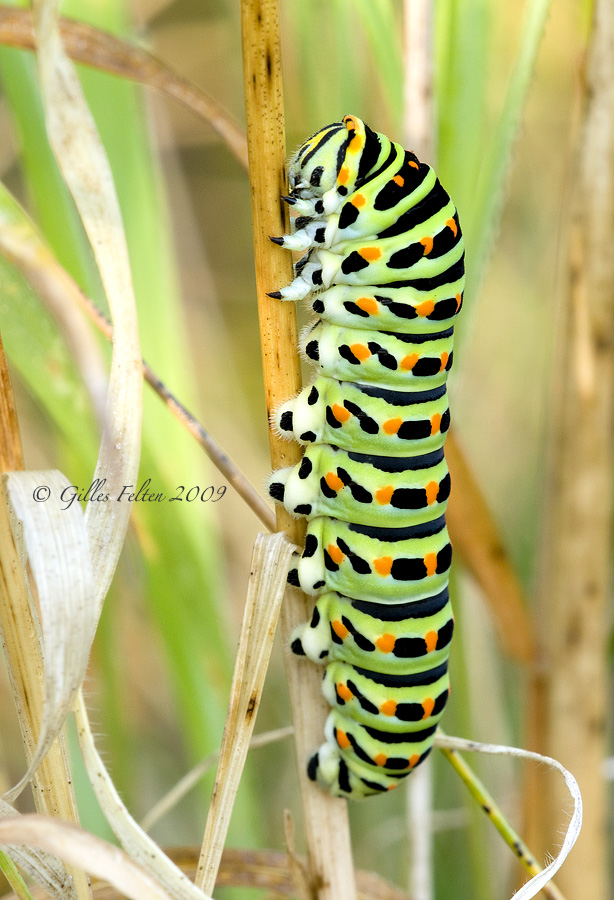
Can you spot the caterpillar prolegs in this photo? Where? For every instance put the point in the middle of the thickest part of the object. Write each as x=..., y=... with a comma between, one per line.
x=384, y=271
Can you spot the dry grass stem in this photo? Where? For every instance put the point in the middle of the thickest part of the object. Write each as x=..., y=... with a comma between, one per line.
x=326, y=824
x=89, y=45
x=82, y=849
x=267, y=583
x=85, y=168
x=259, y=869
x=52, y=783
x=191, y=778
x=137, y=844
x=418, y=117
x=420, y=832
x=298, y=868
x=575, y=583
x=541, y=878
x=53, y=540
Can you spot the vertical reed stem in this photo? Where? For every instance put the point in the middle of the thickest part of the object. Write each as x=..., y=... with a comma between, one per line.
x=52, y=784
x=326, y=823
x=578, y=541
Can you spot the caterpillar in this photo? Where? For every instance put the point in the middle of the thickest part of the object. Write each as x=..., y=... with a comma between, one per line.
x=383, y=266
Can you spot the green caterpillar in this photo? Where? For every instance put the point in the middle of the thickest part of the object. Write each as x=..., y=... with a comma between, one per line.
x=384, y=268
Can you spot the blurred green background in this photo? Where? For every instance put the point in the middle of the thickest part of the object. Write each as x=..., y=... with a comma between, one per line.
x=162, y=661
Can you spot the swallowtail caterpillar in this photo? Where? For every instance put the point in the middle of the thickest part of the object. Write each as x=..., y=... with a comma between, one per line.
x=383, y=269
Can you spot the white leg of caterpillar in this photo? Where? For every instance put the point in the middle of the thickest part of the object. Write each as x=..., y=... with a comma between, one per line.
x=331, y=201
x=311, y=571
x=331, y=231
x=276, y=484
x=325, y=771
x=299, y=241
x=304, y=207
x=297, y=290
x=314, y=639
x=300, y=419
x=302, y=239
x=330, y=263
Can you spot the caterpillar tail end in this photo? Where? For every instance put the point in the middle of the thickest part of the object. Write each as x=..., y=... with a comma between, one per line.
x=329, y=771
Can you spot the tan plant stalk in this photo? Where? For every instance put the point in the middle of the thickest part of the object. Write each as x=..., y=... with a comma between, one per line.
x=270, y=562
x=418, y=116
x=576, y=573
x=52, y=783
x=326, y=824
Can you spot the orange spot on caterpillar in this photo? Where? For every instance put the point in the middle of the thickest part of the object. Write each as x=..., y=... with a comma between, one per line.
x=430, y=563
x=435, y=423
x=343, y=176
x=392, y=425
x=427, y=243
x=408, y=362
x=385, y=643
x=370, y=253
x=413, y=760
x=451, y=224
x=432, y=489
x=335, y=553
x=350, y=123
x=358, y=200
x=368, y=305
x=384, y=495
x=342, y=739
x=458, y=299
x=339, y=629
x=398, y=179
x=413, y=164
x=444, y=361
x=360, y=351
x=428, y=705
x=380, y=760
x=389, y=707
x=355, y=144
x=391, y=787
x=425, y=308
x=340, y=413
x=333, y=481
x=344, y=691
x=383, y=565
x=430, y=639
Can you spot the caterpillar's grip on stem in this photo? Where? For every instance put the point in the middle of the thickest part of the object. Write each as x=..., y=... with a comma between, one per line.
x=384, y=271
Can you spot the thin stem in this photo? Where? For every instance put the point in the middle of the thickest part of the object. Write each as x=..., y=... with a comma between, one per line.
x=326, y=824
x=479, y=792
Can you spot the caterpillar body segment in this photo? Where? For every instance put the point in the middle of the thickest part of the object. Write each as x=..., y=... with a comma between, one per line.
x=383, y=269
x=354, y=416
x=391, y=638
x=362, y=488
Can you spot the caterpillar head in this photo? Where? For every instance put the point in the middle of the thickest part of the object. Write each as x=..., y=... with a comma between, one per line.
x=327, y=165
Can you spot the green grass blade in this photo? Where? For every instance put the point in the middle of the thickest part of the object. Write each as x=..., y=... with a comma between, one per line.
x=13, y=876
